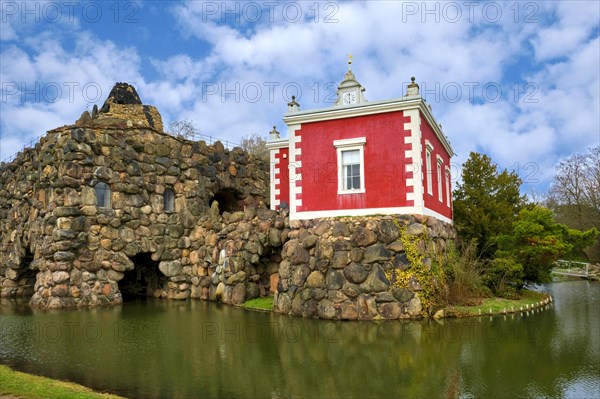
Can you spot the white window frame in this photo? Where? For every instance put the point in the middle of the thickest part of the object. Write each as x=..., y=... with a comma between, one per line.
x=350, y=145
x=448, y=187
x=428, y=171
x=440, y=163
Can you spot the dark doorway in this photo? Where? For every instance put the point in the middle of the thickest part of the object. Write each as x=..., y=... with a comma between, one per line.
x=26, y=276
x=229, y=199
x=144, y=280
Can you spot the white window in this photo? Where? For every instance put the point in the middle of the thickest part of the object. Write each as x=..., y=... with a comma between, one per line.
x=351, y=169
x=102, y=195
x=351, y=165
x=440, y=162
x=448, y=193
x=428, y=171
x=169, y=200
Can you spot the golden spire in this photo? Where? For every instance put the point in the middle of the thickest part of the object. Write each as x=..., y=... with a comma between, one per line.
x=349, y=75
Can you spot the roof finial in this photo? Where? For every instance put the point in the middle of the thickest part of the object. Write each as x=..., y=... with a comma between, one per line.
x=293, y=105
x=274, y=134
x=349, y=75
x=413, y=88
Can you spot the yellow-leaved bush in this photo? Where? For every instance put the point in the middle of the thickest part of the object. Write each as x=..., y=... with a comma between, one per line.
x=430, y=278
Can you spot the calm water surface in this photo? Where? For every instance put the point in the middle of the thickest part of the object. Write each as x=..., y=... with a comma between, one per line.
x=161, y=349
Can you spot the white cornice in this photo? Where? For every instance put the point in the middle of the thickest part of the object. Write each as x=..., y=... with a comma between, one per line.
x=281, y=143
x=350, y=142
x=436, y=128
x=370, y=108
x=350, y=111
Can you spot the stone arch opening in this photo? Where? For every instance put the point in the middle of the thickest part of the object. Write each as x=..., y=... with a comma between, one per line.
x=229, y=200
x=144, y=280
x=267, y=269
x=26, y=276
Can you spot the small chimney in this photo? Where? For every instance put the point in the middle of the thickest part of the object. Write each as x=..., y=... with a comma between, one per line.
x=274, y=134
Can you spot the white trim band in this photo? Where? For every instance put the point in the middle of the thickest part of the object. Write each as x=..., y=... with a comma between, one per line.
x=406, y=210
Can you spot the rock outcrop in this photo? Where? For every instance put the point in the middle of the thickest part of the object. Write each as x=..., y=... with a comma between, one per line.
x=122, y=108
x=68, y=249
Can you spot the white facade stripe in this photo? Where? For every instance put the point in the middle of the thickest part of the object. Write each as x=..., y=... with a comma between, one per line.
x=414, y=127
x=405, y=210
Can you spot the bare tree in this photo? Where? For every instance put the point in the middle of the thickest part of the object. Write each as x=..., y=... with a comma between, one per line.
x=591, y=183
x=538, y=198
x=256, y=145
x=575, y=192
x=567, y=190
x=184, y=129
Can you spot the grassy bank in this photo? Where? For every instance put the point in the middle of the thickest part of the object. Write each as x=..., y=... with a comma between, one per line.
x=264, y=304
x=528, y=300
x=26, y=386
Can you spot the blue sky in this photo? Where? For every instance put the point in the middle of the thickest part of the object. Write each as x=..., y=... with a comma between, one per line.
x=518, y=81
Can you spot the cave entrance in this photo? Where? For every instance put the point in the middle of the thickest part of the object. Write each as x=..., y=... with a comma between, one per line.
x=229, y=199
x=144, y=280
x=26, y=276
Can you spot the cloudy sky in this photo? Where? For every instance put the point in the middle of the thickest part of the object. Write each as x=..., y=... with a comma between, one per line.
x=518, y=81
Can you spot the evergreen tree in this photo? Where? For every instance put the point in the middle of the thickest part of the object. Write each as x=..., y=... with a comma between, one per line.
x=486, y=202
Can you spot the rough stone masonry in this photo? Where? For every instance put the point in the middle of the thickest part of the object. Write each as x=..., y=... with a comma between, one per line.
x=113, y=205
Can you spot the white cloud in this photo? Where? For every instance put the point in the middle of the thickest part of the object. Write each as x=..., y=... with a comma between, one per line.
x=45, y=86
x=575, y=22
x=7, y=32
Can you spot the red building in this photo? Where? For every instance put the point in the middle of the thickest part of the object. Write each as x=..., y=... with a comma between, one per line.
x=362, y=158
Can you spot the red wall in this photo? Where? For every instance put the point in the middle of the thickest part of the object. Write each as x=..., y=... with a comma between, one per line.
x=283, y=175
x=432, y=201
x=384, y=162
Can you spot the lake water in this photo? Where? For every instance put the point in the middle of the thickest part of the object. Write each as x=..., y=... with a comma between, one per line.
x=164, y=349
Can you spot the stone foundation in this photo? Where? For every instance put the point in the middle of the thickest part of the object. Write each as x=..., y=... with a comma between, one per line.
x=349, y=268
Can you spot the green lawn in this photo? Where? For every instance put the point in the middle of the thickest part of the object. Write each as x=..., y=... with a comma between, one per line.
x=265, y=303
x=499, y=305
x=27, y=386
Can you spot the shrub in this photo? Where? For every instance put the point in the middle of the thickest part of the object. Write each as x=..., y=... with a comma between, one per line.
x=504, y=276
x=463, y=272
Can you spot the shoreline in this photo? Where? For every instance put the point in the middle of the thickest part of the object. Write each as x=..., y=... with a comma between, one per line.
x=489, y=307
x=493, y=306
x=22, y=385
x=496, y=306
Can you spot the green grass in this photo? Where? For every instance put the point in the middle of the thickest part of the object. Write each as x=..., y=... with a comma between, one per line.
x=264, y=303
x=27, y=386
x=498, y=305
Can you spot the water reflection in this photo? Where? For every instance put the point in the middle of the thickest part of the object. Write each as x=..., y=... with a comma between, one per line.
x=197, y=349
